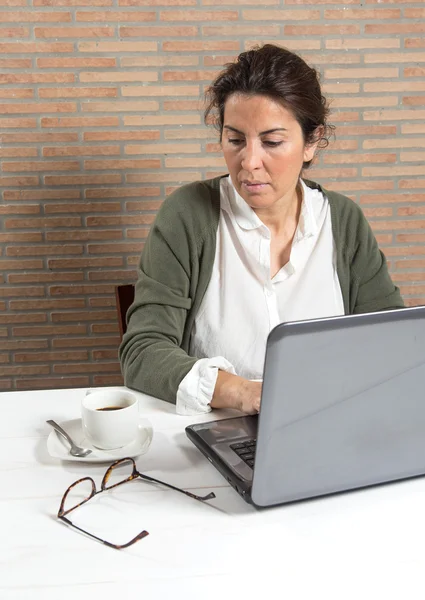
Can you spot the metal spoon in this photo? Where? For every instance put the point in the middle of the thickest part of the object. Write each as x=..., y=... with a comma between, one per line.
x=74, y=450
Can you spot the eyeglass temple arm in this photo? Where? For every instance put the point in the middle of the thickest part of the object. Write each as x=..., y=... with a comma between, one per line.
x=138, y=537
x=209, y=496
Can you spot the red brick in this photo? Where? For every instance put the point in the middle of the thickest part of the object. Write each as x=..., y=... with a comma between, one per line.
x=36, y=370
x=104, y=354
x=47, y=330
x=394, y=28
x=21, y=237
x=23, y=209
x=10, y=292
x=75, y=62
x=44, y=277
x=82, y=179
x=16, y=93
x=102, y=302
x=23, y=344
x=36, y=78
x=157, y=2
x=122, y=248
x=11, y=318
x=152, y=120
x=30, y=137
x=15, y=63
x=115, y=47
x=126, y=276
x=99, y=165
x=80, y=122
x=83, y=92
x=37, y=223
x=82, y=150
x=104, y=328
x=167, y=91
x=73, y=32
x=18, y=152
x=32, y=47
x=85, y=235
x=116, y=136
x=41, y=194
x=41, y=166
x=391, y=198
x=17, y=123
x=120, y=106
x=72, y=2
x=200, y=46
x=360, y=43
x=241, y=29
x=89, y=207
x=85, y=342
x=17, y=181
x=9, y=265
x=359, y=158
x=111, y=16
x=36, y=107
x=81, y=263
x=414, y=42
x=28, y=357
x=120, y=220
x=30, y=16
x=159, y=61
x=198, y=15
x=414, y=100
x=81, y=289
x=173, y=176
x=157, y=32
x=306, y=30
x=87, y=368
x=47, y=304
x=409, y=184
x=139, y=192
x=44, y=250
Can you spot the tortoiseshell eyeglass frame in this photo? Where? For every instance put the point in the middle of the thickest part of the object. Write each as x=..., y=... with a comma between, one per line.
x=104, y=486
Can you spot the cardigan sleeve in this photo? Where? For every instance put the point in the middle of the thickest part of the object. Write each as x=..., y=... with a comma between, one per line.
x=174, y=271
x=371, y=286
x=151, y=356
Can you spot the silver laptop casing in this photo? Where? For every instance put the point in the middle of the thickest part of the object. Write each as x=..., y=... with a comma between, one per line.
x=342, y=407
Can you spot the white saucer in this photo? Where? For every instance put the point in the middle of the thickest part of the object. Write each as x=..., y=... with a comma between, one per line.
x=59, y=448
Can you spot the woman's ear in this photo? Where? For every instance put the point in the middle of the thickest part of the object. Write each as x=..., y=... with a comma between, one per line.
x=311, y=147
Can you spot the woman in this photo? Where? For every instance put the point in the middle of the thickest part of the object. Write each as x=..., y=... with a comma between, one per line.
x=229, y=258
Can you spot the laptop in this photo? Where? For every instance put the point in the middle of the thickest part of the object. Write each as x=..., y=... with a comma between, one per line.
x=342, y=407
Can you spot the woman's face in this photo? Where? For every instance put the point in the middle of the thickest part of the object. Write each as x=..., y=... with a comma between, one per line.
x=264, y=150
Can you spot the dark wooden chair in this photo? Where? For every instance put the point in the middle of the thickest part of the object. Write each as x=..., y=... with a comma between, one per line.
x=124, y=296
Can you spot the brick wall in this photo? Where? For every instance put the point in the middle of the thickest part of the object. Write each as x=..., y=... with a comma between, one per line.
x=100, y=117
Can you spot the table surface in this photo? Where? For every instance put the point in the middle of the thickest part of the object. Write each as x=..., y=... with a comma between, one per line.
x=362, y=544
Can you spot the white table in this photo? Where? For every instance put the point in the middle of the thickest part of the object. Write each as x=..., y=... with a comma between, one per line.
x=364, y=544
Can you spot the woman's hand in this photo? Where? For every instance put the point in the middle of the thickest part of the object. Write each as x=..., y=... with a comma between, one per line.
x=232, y=391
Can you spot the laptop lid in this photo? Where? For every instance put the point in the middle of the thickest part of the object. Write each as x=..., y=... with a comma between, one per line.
x=342, y=405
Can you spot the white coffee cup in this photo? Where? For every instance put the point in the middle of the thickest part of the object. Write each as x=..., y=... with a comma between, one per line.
x=110, y=418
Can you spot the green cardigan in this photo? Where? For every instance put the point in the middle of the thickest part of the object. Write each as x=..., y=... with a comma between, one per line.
x=176, y=266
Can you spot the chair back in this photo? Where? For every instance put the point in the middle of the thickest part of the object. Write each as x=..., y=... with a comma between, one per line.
x=124, y=296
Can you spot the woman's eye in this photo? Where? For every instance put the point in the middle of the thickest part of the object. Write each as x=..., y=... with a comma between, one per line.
x=271, y=144
x=234, y=141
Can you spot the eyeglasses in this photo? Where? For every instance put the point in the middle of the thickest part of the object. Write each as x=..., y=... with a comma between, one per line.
x=128, y=464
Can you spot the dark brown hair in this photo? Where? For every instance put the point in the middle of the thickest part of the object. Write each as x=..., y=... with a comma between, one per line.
x=281, y=75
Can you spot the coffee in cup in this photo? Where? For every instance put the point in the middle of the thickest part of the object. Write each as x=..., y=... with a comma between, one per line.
x=110, y=418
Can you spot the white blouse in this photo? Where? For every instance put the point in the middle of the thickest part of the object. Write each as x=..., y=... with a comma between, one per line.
x=243, y=302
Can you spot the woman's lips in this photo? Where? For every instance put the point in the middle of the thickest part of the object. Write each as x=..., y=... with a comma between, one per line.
x=254, y=187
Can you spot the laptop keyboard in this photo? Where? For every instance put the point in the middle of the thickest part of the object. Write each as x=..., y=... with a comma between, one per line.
x=246, y=451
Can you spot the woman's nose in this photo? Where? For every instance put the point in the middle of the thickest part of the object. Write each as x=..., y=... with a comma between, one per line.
x=251, y=158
